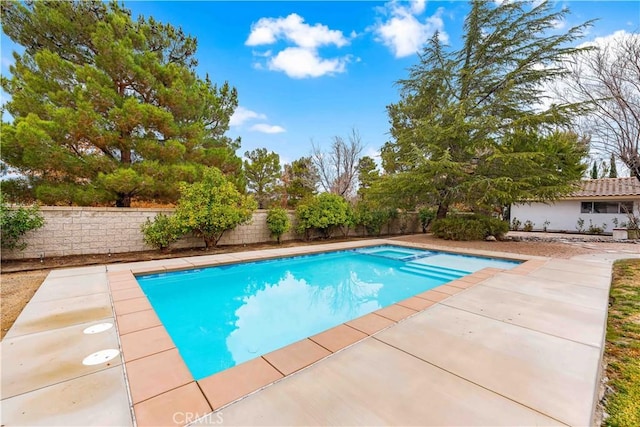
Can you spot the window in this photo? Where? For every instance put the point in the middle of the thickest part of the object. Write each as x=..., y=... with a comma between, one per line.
x=606, y=207
x=626, y=207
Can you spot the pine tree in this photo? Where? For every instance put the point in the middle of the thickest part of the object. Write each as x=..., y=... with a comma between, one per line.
x=468, y=127
x=106, y=108
x=262, y=171
x=613, y=172
x=594, y=171
x=300, y=181
x=367, y=174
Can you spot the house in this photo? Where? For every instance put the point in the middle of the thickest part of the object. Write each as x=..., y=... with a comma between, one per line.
x=596, y=204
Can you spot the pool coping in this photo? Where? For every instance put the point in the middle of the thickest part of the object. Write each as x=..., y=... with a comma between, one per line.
x=159, y=382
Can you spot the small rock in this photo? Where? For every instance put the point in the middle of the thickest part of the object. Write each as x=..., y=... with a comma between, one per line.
x=490, y=239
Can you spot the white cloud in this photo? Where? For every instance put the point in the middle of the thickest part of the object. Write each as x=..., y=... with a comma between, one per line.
x=418, y=6
x=610, y=41
x=299, y=63
x=302, y=60
x=242, y=115
x=267, y=128
x=294, y=29
x=404, y=33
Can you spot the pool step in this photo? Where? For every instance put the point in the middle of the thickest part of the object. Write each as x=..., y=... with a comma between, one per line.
x=435, y=272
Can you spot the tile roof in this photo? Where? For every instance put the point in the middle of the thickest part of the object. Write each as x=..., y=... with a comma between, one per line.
x=608, y=187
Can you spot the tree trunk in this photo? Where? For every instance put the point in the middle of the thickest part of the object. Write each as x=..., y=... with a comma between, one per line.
x=123, y=201
x=442, y=211
x=209, y=241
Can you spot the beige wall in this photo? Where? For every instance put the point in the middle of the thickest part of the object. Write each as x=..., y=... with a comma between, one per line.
x=81, y=230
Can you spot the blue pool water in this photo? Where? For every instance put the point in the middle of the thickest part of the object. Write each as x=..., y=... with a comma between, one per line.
x=219, y=317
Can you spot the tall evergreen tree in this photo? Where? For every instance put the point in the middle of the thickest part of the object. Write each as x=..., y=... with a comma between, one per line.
x=106, y=108
x=613, y=172
x=262, y=171
x=367, y=174
x=300, y=180
x=469, y=127
x=594, y=171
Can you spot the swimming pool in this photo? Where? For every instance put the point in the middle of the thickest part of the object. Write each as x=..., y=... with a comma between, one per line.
x=219, y=317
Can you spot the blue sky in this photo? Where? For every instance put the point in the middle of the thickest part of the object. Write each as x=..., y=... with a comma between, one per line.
x=309, y=70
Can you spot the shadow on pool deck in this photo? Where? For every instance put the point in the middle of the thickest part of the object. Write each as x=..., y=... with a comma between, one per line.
x=520, y=347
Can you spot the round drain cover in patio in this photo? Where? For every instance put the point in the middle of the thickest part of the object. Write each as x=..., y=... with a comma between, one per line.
x=99, y=357
x=100, y=327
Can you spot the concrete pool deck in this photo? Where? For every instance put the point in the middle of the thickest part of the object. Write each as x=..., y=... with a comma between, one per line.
x=517, y=347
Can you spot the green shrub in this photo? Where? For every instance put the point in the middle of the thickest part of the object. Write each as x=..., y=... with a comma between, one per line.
x=16, y=222
x=528, y=226
x=212, y=206
x=370, y=219
x=161, y=232
x=594, y=229
x=426, y=215
x=473, y=227
x=278, y=222
x=323, y=212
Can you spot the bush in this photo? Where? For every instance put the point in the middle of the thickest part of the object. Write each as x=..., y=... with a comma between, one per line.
x=370, y=218
x=278, y=222
x=161, y=232
x=426, y=215
x=474, y=227
x=212, y=206
x=16, y=222
x=323, y=212
x=528, y=226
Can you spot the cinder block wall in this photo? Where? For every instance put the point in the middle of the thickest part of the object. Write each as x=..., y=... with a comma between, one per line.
x=83, y=230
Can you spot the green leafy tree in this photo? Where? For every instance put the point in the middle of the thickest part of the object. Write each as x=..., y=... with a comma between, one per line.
x=262, y=171
x=161, y=232
x=594, y=171
x=613, y=171
x=278, y=222
x=300, y=181
x=470, y=127
x=106, y=108
x=212, y=206
x=367, y=174
x=16, y=222
x=323, y=212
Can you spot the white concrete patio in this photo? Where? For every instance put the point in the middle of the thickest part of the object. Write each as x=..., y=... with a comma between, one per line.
x=515, y=349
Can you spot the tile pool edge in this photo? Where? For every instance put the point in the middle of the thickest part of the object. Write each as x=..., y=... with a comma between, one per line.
x=159, y=381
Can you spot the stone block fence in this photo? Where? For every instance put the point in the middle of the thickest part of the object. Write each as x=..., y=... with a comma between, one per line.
x=84, y=230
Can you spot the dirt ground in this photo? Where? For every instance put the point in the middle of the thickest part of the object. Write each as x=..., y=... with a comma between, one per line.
x=16, y=290
x=20, y=279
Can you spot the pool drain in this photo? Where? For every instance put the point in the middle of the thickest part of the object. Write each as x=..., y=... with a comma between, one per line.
x=99, y=357
x=100, y=327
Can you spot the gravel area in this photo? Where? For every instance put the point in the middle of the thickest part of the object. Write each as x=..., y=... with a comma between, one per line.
x=16, y=290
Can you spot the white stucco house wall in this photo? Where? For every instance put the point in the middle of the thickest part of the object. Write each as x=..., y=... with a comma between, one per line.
x=597, y=202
